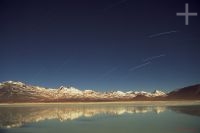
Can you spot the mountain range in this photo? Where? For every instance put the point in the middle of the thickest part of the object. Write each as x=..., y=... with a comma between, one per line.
x=11, y=92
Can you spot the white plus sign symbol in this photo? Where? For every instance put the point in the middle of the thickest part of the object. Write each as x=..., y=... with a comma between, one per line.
x=186, y=14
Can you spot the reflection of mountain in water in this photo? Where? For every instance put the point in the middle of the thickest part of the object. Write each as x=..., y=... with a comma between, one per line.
x=18, y=116
x=191, y=110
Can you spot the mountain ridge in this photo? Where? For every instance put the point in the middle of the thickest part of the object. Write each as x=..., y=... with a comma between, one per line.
x=12, y=91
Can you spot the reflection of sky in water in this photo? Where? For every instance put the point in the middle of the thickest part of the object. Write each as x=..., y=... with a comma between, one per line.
x=100, y=119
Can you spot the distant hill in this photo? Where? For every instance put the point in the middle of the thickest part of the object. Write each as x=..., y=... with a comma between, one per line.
x=189, y=93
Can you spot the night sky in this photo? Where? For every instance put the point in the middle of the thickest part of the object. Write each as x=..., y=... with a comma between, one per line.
x=102, y=45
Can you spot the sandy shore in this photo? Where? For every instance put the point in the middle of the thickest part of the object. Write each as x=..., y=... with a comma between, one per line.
x=134, y=103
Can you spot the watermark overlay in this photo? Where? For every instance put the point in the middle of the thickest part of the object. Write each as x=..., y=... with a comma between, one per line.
x=187, y=14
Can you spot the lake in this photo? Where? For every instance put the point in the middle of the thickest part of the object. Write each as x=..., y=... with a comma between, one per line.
x=100, y=118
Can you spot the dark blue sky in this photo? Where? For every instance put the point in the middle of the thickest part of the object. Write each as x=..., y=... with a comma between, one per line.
x=100, y=44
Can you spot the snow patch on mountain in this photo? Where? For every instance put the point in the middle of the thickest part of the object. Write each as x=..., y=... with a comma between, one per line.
x=71, y=90
x=158, y=93
x=14, y=82
x=119, y=93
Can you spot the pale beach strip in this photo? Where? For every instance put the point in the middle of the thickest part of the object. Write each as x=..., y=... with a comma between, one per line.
x=131, y=103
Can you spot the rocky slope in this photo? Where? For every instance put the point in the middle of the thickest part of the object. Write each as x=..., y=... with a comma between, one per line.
x=190, y=93
x=19, y=92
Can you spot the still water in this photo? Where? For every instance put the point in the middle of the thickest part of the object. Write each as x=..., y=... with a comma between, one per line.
x=100, y=118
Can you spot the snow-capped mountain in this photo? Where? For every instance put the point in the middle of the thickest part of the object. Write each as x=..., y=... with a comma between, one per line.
x=158, y=93
x=11, y=91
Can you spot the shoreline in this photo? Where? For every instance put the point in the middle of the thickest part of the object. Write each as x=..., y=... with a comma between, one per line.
x=118, y=103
